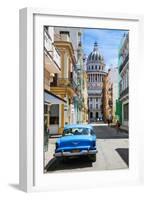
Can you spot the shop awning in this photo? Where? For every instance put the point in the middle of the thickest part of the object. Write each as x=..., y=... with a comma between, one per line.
x=50, y=98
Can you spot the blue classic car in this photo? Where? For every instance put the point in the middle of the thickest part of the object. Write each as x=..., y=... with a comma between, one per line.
x=77, y=140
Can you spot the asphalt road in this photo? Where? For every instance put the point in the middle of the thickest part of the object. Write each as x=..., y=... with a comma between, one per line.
x=112, y=153
x=103, y=131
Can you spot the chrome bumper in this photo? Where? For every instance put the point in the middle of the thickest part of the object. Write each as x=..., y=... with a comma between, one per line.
x=68, y=153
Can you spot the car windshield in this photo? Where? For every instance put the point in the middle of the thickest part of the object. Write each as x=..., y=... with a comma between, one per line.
x=77, y=131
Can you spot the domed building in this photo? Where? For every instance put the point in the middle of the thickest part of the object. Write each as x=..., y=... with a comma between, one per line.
x=95, y=73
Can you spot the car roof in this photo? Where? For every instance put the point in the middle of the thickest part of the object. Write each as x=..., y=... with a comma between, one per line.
x=78, y=126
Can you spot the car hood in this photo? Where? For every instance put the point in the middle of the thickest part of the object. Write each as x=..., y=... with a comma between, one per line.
x=75, y=140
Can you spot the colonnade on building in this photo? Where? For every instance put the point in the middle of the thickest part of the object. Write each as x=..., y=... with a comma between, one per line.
x=92, y=77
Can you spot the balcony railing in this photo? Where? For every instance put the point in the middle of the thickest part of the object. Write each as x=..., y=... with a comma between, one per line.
x=124, y=92
x=124, y=63
x=62, y=37
x=64, y=82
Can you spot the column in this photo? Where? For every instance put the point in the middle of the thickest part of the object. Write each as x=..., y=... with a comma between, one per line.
x=61, y=117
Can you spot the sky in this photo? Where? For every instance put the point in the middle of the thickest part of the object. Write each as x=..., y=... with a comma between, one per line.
x=108, y=43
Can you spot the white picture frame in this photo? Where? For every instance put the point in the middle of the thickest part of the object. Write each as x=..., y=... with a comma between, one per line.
x=31, y=98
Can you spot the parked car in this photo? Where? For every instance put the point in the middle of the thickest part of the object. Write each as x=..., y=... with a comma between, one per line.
x=77, y=140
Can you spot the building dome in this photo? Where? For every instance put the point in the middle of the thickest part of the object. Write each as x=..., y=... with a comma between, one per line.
x=95, y=56
x=95, y=60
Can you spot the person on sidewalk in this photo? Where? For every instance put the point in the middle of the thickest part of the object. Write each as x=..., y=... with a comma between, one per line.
x=110, y=120
x=117, y=127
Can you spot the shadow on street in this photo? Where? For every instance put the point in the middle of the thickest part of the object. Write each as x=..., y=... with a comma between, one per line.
x=107, y=132
x=124, y=154
x=72, y=163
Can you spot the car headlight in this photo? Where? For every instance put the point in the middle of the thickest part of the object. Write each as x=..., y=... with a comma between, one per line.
x=93, y=143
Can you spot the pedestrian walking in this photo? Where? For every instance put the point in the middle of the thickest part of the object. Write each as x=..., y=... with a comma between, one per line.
x=110, y=120
x=117, y=126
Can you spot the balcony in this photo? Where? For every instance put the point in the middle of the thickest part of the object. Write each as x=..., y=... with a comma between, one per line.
x=52, y=53
x=63, y=36
x=64, y=82
x=122, y=65
x=124, y=92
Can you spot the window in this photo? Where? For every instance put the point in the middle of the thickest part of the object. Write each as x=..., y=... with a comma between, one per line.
x=91, y=114
x=54, y=120
x=97, y=115
x=96, y=99
x=96, y=106
x=45, y=109
x=92, y=67
x=65, y=32
x=54, y=114
x=126, y=112
x=96, y=67
x=90, y=106
x=76, y=131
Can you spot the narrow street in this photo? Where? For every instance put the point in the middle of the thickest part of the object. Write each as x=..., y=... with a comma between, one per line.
x=112, y=153
x=87, y=82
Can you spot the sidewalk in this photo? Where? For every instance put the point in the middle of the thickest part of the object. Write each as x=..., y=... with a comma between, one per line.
x=55, y=135
x=124, y=128
x=51, y=150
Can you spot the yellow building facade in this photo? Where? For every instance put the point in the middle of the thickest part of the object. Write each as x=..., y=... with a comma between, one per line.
x=63, y=84
x=51, y=66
